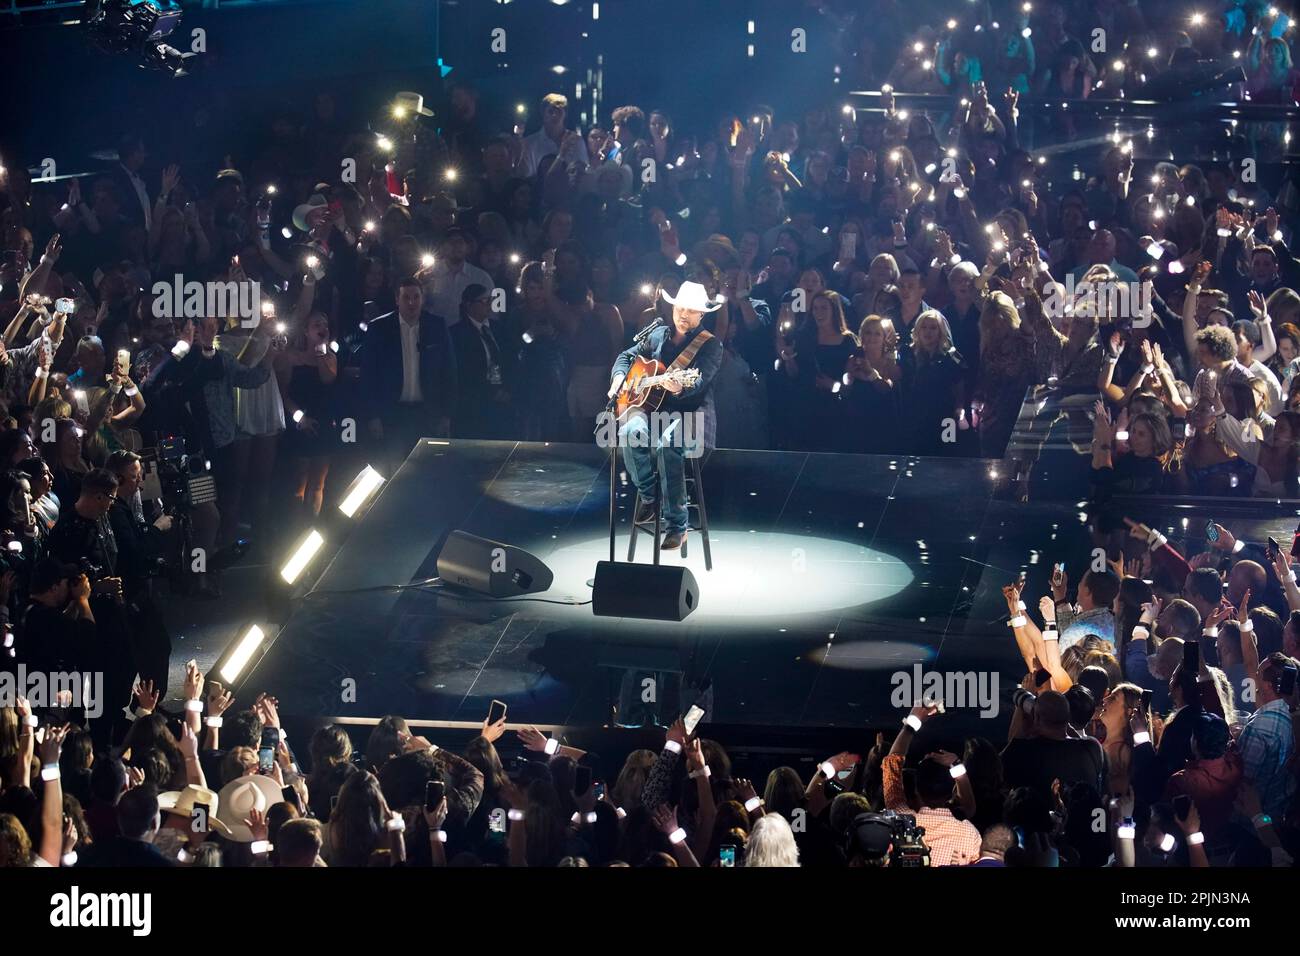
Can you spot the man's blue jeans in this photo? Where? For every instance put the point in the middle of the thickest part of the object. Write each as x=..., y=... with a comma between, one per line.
x=641, y=452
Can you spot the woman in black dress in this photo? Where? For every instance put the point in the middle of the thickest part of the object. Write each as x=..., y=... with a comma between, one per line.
x=873, y=382
x=931, y=392
x=307, y=373
x=817, y=365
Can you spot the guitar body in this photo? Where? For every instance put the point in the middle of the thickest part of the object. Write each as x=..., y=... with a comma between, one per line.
x=639, y=391
x=632, y=395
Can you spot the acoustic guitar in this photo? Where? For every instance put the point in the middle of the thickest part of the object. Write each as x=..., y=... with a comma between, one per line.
x=643, y=387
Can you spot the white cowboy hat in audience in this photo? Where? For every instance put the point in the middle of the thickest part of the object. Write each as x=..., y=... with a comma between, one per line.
x=240, y=797
x=300, y=213
x=182, y=802
x=410, y=103
x=692, y=295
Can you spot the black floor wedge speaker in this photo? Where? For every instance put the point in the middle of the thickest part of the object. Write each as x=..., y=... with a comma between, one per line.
x=647, y=591
x=491, y=567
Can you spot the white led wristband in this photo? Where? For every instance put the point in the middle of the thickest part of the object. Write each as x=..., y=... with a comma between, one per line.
x=957, y=771
x=1195, y=839
x=552, y=746
x=912, y=722
x=753, y=803
x=672, y=746
x=1018, y=621
x=677, y=836
x=213, y=722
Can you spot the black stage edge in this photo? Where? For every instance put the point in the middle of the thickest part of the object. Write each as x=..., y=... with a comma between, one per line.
x=831, y=575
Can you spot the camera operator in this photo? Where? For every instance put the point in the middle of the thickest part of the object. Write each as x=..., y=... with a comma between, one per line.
x=139, y=547
x=83, y=536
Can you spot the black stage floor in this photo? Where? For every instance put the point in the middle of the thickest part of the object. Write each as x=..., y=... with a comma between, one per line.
x=832, y=573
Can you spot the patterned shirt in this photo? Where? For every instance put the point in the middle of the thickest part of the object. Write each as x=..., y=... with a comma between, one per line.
x=1265, y=745
x=952, y=842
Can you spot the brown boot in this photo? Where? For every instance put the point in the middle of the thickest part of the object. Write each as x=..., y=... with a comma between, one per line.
x=673, y=540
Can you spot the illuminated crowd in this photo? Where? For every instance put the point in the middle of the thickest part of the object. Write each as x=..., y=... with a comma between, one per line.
x=195, y=343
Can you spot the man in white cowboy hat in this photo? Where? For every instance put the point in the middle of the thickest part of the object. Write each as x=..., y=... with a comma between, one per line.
x=184, y=821
x=639, y=442
x=239, y=798
x=310, y=214
x=552, y=139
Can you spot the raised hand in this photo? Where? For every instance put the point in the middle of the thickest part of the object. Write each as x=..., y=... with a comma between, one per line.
x=1219, y=614
x=533, y=739
x=256, y=823
x=219, y=699
x=1258, y=305
x=146, y=695
x=193, y=681
x=171, y=175
x=267, y=708
x=52, y=745
x=493, y=732
x=664, y=818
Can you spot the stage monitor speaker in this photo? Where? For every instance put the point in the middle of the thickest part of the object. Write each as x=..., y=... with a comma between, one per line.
x=648, y=591
x=491, y=567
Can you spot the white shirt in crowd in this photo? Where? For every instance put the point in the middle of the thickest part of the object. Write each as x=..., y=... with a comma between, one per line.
x=537, y=146
x=443, y=288
x=410, y=360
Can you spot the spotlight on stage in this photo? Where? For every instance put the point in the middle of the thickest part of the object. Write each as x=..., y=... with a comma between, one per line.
x=232, y=664
x=651, y=592
x=361, y=491
x=301, y=556
x=491, y=567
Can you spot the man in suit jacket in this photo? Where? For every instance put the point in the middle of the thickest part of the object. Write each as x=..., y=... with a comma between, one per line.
x=408, y=376
x=484, y=369
x=134, y=193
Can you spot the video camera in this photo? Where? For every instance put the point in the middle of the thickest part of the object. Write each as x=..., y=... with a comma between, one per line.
x=184, y=479
x=140, y=26
x=888, y=835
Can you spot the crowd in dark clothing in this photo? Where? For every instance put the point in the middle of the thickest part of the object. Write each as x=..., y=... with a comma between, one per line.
x=894, y=282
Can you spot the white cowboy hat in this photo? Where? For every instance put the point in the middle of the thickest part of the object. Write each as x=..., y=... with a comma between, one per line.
x=692, y=295
x=406, y=101
x=300, y=213
x=240, y=797
x=181, y=803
